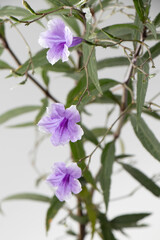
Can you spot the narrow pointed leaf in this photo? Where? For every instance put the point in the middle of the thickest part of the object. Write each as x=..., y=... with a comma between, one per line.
x=112, y=62
x=155, y=51
x=42, y=110
x=105, y=227
x=52, y=211
x=4, y=65
x=127, y=220
x=142, y=179
x=140, y=9
x=91, y=64
x=13, y=10
x=146, y=137
x=27, y=124
x=156, y=21
x=107, y=160
x=151, y=27
x=16, y=112
x=27, y=196
x=89, y=135
x=142, y=84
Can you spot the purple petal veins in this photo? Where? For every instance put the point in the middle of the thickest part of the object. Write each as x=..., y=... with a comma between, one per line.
x=58, y=38
x=65, y=180
x=62, y=124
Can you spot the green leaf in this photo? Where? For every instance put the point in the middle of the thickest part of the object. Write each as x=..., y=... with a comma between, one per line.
x=76, y=92
x=156, y=21
x=13, y=10
x=140, y=9
x=89, y=135
x=142, y=84
x=40, y=60
x=151, y=27
x=79, y=219
x=112, y=62
x=107, y=160
x=72, y=22
x=105, y=227
x=121, y=156
x=127, y=220
x=78, y=153
x=105, y=84
x=1, y=50
x=142, y=179
x=90, y=62
x=16, y=112
x=118, y=31
x=155, y=51
x=152, y=114
x=45, y=77
x=108, y=97
x=42, y=110
x=86, y=196
x=2, y=29
x=4, y=65
x=52, y=211
x=98, y=132
x=146, y=137
x=27, y=196
x=28, y=7
x=102, y=4
x=27, y=124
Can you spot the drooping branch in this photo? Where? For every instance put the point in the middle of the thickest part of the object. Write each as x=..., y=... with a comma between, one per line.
x=8, y=48
x=127, y=81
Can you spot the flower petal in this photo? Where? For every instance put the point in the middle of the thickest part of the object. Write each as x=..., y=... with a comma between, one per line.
x=65, y=53
x=60, y=136
x=56, y=110
x=55, y=53
x=75, y=132
x=68, y=36
x=59, y=171
x=64, y=191
x=74, y=170
x=46, y=124
x=75, y=186
x=57, y=27
x=76, y=41
x=72, y=114
x=43, y=40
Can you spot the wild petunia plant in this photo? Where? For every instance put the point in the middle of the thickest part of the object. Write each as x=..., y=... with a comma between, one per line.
x=58, y=39
x=65, y=179
x=124, y=102
x=61, y=123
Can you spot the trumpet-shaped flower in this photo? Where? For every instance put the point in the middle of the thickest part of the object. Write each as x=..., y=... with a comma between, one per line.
x=58, y=38
x=61, y=123
x=65, y=180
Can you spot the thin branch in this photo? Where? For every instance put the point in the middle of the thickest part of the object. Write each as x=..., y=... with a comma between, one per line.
x=45, y=91
x=42, y=15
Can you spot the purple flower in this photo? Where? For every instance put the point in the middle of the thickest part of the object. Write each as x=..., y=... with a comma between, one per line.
x=58, y=38
x=61, y=123
x=65, y=180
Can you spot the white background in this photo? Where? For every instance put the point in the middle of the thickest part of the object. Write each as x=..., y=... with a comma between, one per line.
x=26, y=220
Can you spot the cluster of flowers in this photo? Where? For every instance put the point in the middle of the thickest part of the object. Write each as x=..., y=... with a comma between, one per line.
x=61, y=123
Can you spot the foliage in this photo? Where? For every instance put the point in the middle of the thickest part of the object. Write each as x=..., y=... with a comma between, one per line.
x=133, y=38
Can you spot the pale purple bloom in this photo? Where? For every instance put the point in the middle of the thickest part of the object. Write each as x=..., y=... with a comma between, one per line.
x=58, y=38
x=65, y=180
x=61, y=123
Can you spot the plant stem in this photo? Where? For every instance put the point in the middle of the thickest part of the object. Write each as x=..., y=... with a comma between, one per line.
x=45, y=91
x=82, y=231
x=127, y=81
